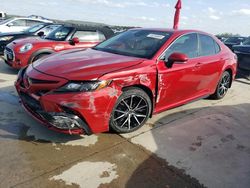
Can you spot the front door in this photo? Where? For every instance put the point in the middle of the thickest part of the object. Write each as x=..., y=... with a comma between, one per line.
x=179, y=83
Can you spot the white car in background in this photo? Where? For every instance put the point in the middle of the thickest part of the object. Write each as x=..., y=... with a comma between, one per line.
x=2, y=15
x=20, y=24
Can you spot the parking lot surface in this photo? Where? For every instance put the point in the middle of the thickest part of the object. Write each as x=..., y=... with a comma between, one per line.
x=205, y=143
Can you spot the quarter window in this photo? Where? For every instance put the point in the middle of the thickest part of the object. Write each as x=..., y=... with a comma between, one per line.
x=217, y=47
x=89, y=36
x=187, y=44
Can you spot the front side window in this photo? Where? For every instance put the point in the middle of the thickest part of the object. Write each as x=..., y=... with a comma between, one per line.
x=18, y=23
x=135, y=43
x=89, y=36
x=48, y=29
x=208, y=46
x=60, y=34
x=35, y=28
x=187, y=44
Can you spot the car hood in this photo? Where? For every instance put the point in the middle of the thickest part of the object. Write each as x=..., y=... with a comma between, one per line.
x=11, y=34
x=83, y=64
x=33, y=40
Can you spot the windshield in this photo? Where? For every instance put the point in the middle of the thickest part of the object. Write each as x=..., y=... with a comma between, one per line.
x=60, y=34
x=34, y=28
x=234, y=40
x=136, y=43
x=247, y=42
x=6, y=21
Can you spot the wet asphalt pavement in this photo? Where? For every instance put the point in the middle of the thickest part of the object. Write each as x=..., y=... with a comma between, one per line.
x=205, y=143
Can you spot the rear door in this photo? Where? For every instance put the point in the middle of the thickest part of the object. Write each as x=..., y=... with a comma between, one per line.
x=179, y=83
x=211, y=63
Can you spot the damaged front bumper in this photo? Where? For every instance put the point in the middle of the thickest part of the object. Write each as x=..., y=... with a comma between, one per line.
x=70, y=113
x=64, y=122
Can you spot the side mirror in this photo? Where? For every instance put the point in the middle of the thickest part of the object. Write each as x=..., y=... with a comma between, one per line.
x=10, y=24
x=74, y=41
x=177, y=58
x=40, y=34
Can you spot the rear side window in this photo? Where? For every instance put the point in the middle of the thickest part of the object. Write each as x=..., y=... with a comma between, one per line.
x=89, y=36
x=187, y=44
x=208, y=46
x=32, y=22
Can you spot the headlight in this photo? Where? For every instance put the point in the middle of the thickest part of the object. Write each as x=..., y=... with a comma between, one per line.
x=85, y=86
x=26, y=48
x=6, y=38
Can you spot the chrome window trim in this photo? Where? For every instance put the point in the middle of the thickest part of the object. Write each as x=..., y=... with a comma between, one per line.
x=198, y=38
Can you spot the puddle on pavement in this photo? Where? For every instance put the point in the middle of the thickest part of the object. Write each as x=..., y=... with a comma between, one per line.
x=39, y=132
x=88, y=174
x=9, y=98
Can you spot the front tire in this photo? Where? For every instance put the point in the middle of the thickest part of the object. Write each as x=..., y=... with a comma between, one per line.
x=223, y=86
x=131, y=111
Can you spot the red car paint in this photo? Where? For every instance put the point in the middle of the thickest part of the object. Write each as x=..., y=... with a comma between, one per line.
x=23, y=59
x=19, y=59
x=170, y=87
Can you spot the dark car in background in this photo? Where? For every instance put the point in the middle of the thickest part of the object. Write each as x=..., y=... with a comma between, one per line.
x=221, y=38
x=231, y=41
x=40, y=30
x=243, y=53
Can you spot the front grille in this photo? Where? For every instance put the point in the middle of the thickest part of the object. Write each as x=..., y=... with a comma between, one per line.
x=9, y=54
x=32, y=103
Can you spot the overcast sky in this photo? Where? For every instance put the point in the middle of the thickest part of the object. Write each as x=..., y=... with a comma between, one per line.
x=214, y=16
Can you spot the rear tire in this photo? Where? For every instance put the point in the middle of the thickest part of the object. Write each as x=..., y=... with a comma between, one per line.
x=131, y=111
x=223, y=86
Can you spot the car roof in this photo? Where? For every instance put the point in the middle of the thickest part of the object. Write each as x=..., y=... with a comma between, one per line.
x=106, y=30
x=35, y=19
x=174, y=31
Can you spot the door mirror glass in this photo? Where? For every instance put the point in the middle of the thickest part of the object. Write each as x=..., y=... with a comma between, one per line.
x=177, y=58
x=74, y=41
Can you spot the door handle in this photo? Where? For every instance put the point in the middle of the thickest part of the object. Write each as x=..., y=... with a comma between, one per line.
x=197, y=66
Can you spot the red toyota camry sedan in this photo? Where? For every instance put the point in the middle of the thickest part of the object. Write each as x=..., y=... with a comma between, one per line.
x=120, y=83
